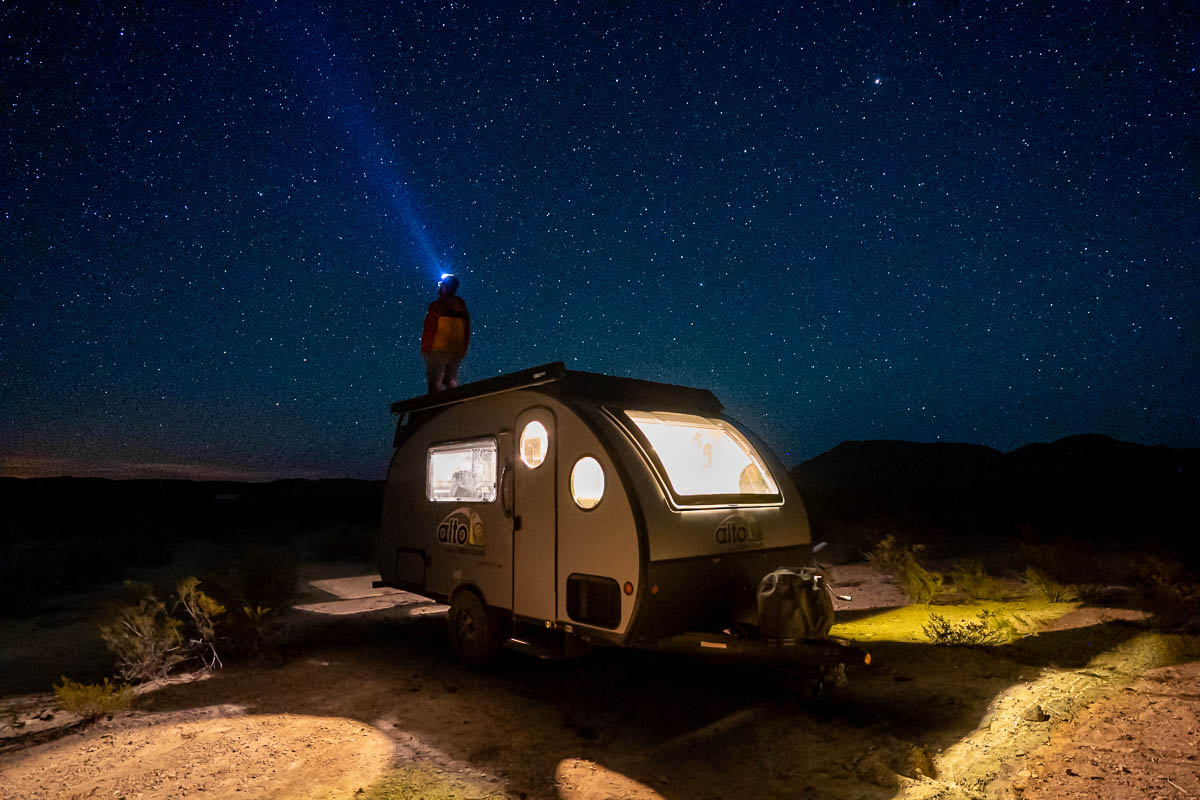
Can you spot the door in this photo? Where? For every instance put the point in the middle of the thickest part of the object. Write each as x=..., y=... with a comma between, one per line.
x=535, y=514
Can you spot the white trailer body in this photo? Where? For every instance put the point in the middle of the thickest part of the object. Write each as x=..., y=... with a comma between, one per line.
x=601, y=509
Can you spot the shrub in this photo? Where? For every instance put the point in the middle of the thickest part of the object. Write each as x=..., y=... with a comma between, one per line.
x=973, y=580
x=989, y=628
x=202, y=614
x=148, y=640
x=251, y=632
x=93, y=700
x=1167, y=590
x=1051, y=589
x=144, y=638
x=901, y=562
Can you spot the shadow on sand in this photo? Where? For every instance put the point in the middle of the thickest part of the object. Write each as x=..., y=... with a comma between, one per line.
x=685, y=727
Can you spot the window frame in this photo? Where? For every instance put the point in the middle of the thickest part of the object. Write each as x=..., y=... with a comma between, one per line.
x=694, y=501
x=460, y=443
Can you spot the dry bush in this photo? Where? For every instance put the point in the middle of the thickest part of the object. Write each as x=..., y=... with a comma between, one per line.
x=973, y=580
x=92, y=700
x=1049, y=588
x=252, y=632
x=202, y=615
x=144, y=638
x=901, y=562
x=988, y=629
x=149, y=640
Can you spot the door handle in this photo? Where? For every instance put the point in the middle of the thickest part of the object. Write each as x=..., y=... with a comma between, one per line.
x=505, y=500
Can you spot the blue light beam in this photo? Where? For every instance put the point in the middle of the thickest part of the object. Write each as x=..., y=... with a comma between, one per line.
x=379, y=159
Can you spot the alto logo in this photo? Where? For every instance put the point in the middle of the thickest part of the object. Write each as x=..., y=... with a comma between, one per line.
x=738, y=531
x=461, y=528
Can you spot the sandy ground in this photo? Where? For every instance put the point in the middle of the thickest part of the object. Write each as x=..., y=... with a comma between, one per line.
x=369, y=703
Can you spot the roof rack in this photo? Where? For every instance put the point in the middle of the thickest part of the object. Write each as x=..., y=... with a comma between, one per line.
x=534, y=376
x=597, y=387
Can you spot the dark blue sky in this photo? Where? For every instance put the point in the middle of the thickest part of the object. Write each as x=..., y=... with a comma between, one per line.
x=944, y=221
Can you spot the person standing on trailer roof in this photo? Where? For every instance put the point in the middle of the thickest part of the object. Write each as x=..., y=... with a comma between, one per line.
x=445, y=337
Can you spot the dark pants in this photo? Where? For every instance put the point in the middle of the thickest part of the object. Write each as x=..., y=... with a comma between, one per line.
x=441, y=371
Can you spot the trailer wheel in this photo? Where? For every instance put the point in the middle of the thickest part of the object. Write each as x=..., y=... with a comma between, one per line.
x=474, y=634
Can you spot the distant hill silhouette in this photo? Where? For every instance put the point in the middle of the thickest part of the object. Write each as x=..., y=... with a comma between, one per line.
x=1091, y=489
x=957, y=499
x=61, y=533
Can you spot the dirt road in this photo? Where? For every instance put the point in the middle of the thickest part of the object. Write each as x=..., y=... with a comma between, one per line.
x=370, y=699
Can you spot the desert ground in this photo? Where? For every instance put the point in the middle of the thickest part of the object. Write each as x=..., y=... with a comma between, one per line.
x=363, y=700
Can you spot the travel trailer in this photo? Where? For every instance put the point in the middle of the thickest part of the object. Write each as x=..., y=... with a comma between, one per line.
x=551, y=508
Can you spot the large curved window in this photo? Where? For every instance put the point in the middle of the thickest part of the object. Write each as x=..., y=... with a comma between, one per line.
x=535, y=443
x=704, y=457
x=587, y=483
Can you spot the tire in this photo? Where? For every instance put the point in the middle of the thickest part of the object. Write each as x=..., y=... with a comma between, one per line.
x=474, y=634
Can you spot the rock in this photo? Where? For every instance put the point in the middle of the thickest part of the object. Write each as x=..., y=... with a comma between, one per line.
x=1034, y=713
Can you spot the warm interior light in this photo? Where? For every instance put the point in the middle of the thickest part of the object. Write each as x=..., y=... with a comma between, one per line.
x=463, y=471
x=587, y=482
x=535, y=444
x=704, y=456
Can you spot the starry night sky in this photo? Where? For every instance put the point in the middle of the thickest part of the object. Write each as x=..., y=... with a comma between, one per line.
x=939, y=221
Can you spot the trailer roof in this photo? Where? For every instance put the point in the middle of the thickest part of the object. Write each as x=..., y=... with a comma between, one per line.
x=556, y=379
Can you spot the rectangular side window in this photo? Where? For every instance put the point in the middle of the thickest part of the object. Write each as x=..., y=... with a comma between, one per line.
x=463, y=471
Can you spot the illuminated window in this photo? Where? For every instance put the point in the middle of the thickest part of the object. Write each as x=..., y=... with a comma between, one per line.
x=587, y=482
x=704, y=456
x=462, y=471
x=534, y=444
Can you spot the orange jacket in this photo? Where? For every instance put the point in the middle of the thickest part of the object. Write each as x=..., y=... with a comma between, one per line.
x=447, y=327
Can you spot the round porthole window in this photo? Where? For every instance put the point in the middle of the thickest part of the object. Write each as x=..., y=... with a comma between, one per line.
x=587, y=482
x=535, y=443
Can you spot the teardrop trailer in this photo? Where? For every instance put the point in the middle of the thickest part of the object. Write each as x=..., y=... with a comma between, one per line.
x=554, y=509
